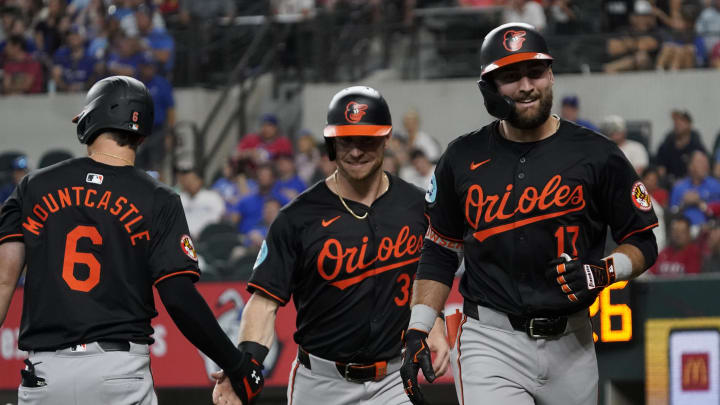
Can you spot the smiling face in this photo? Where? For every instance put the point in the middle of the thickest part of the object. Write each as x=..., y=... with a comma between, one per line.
x=529, y=84
x=359, y=157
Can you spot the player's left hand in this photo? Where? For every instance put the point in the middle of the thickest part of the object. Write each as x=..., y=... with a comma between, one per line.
x=416, y=356
x=438, y=344
x=223, y=393
x=577, y=278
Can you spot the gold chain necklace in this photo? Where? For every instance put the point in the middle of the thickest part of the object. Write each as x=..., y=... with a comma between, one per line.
x=113, y=156
x=342, y=200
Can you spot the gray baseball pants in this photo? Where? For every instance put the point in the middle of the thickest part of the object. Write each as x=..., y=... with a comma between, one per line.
x=88, y=375
x=494, y=364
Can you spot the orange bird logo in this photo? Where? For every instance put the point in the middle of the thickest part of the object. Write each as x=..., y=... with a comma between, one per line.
x=355, y=111
x=513, y=40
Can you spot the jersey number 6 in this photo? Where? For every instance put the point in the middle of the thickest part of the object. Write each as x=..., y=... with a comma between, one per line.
x=73, y=257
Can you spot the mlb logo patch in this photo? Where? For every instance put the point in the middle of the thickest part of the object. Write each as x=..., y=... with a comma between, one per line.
x=134, y=127
x=94, y=178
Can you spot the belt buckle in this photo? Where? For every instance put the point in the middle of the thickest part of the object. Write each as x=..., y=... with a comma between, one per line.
x=531, y=328
x=347, y=372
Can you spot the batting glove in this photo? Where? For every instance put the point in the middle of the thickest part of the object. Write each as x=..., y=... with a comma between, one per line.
x=416, y=355
x=577, y=278
x=247, y=378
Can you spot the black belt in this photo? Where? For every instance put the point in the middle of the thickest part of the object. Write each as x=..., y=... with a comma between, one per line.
x=106, y=345
x=353, y=372
x=534, y=327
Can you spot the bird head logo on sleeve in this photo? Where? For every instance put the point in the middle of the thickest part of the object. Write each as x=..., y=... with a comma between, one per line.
x=641, y=197
x=188, y=248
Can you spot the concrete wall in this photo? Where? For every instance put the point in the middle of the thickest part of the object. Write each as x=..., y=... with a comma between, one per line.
x=35, y=124
x=451, y=107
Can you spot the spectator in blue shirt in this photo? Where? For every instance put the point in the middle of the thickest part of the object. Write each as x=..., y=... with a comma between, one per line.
x=124, y=57
x=151, y=154
x=288, y=183
x=155, y=40
x=248, y=211
x=692, y=194
x=73, y=68
x=570, y=110
x=19, y=168
x=255, y=237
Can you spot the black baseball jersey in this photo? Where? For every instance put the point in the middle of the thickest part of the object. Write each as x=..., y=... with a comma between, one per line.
x=350, y=279
x=513, y=207
x=97, y=238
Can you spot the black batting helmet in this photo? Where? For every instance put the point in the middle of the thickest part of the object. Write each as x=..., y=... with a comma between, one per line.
x=356, y=111
x=117, y=103
x=507, y=44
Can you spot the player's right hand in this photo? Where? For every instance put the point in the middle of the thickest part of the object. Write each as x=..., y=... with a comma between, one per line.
x=416, y=355
x=247, y=379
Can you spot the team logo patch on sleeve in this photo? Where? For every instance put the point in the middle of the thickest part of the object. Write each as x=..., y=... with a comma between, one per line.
x=262, y=255
x=187, y=247
x=640, y=196
x=431, y=192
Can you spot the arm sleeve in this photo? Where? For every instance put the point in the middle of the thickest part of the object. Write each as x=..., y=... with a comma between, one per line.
x=193, y=317
x=275, y=263
x=11, y=215
x=172, y=250
x=437, y=263
x=646, y=242
x=625, y=203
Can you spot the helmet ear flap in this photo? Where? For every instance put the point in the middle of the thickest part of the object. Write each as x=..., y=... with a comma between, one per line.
x=330, y=146
x=497, y=105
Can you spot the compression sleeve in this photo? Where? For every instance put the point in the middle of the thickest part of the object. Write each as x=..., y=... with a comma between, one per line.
x=193, y=317
x=437, y=263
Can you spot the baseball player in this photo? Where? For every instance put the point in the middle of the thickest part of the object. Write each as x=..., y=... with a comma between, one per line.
x=97, y=234
x=526, y=200
x=346, y=251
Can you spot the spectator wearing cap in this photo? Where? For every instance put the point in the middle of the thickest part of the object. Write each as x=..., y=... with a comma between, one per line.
x=151, y=153
x=613, y=126
x=73, y=68
x=266, y=143
x=22, y=73
x=155, y=39
x=288, y=183
x=18, y=170
x=692, y=194
x=682, y=255
x=202, y=206
x=677, y=147
x=570, y=110
x=636, y=47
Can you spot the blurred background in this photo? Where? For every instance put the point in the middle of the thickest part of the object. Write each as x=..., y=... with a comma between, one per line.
x=241, y=89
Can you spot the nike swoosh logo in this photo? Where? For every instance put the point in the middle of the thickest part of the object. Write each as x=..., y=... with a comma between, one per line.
x=474, y=165
x=326, y=223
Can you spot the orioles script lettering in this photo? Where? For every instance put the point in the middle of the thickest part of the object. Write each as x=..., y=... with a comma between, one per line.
x=541, y=205
x=335, y=259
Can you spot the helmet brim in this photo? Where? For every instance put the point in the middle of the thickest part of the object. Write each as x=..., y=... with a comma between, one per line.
x=514, y=58
x=332, y=131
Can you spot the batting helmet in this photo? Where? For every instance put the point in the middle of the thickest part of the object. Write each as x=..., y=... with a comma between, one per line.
x=356, y=111
x=507, y=44
x=118, y=103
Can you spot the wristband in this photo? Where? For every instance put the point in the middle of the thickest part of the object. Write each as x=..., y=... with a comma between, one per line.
x=258, y=351
x=623, y=266
x=422, y=317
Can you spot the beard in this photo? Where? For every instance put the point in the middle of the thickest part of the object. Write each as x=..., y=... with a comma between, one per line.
x=533, y=118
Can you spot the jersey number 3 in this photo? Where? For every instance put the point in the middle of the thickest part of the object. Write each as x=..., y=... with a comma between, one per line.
x=73, y=257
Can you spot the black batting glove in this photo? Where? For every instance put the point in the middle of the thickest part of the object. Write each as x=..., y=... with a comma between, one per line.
x=578, y=277
x=416, y=355
x=246, y=377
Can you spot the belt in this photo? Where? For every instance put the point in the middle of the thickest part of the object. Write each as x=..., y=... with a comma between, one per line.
x=106, y=345
x=536, y=328
x=352, y=372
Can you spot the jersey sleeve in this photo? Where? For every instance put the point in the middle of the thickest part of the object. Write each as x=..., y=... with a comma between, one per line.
x=11, y=215
x=172, y=250
x=625, y=202
x=442, y=207
x=273, y=270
